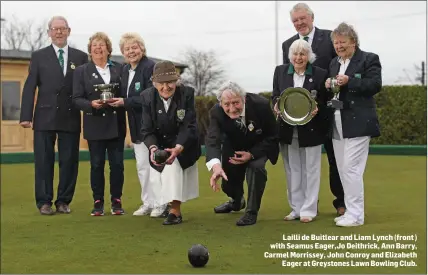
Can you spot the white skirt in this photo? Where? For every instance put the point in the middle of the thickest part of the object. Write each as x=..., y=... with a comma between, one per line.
x=175, y=183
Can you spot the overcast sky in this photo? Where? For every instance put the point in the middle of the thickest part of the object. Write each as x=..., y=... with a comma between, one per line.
x=242, y=33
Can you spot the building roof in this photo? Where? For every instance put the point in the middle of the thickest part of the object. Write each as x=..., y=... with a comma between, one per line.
x=26, y=55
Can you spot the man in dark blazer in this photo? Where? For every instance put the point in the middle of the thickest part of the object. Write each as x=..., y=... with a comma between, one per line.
x=51, y=71
x=241, y=137
x=303, y=18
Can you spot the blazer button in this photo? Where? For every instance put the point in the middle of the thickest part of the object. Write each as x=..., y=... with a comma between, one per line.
x=164, y=136
x=57, y=107
x=69, y=109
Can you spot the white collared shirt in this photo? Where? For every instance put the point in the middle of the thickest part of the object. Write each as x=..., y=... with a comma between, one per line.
x=104, y=72
x=166, y=103
x=298, y=79
x=310, y=35
x=343, y=65
x=64, y=54
x=214, y=161
x=130, y=78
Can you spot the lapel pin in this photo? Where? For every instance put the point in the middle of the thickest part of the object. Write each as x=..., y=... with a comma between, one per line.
x=310, y=80
x=160, y=111
x=251, y=127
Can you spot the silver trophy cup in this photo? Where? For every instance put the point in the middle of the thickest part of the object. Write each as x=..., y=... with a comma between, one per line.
x=335, y=88
x=106, y=91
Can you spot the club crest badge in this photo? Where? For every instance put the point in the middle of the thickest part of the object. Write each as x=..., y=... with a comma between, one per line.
x=180, y=114
x=72, y=66
x=137, y=86
x=251, y=127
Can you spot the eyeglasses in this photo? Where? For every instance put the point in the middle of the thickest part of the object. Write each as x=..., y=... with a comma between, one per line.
x=62, y=29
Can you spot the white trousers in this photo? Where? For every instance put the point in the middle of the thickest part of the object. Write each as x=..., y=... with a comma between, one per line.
x=175, y=183
x=351, y=158
x=149, y=193
x=303, y=171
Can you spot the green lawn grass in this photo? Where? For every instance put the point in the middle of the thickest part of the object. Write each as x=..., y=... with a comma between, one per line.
x=395, y=198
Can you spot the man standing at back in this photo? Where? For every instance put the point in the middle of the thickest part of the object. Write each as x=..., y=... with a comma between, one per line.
x=51, y=71
x=303, y=20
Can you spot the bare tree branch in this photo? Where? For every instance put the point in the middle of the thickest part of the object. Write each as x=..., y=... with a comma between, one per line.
x=204, y=72
x=27, y=35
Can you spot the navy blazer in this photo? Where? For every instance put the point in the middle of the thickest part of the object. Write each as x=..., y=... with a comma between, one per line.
x=314, y=132
x=177, y=126
x=322, y=46
x=132, y=99
x=104, y=123
x=54, y=109
x=359, y=116
x=261, y=139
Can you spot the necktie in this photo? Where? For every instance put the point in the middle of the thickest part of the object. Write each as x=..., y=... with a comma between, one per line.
x=61, y=58
x=306, y=38
x=240, y=124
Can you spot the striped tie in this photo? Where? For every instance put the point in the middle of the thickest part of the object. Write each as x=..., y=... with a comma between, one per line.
x=61, y=58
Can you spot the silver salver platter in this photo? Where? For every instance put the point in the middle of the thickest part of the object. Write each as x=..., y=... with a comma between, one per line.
x=296, y=106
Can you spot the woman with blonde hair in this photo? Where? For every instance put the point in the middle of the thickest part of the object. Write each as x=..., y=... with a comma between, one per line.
x=136, y=76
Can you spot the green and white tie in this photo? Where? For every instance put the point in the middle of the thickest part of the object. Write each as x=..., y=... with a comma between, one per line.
x=61, y=58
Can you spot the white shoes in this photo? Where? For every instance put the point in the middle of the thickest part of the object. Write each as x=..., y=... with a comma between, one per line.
x=291, y=217
x=157, y=212
x=347, y=222
x=143, y=210
x=339, y=218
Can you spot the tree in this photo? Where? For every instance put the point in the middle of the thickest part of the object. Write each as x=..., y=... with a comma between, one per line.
x=24, y=35
x=204, y=72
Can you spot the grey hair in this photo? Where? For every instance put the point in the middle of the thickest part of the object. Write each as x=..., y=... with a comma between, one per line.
x=301, y=45
x=58, y=17
x=302, y=6
x=231, y=87
x=345, y=29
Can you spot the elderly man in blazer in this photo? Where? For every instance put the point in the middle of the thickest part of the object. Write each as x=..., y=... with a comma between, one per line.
x=51, y=71
x=302, y=18
x=104, y=126
x=241, y=137
x=359, y=77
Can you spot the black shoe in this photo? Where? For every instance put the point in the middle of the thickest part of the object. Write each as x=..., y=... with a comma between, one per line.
x=98, y=208
x=116, y=207
x=230, y=206
x=172, y=219
x=247, y=219
x=166, y=211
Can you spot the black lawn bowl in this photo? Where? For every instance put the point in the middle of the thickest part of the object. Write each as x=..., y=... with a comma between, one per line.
x=160, y=156
x=198, y=255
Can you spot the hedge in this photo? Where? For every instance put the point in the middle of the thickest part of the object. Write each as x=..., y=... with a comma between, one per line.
x=401, y=109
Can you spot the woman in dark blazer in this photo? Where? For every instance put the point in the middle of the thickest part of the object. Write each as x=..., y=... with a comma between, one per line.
x=135, y=79
x=104, y=126
x=169, y=123
x=301, y=145
x=359, y=76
